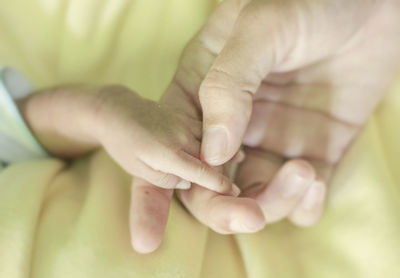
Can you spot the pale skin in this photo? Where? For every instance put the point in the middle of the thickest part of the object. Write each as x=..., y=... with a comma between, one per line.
x=147, y=139
x=294, y=81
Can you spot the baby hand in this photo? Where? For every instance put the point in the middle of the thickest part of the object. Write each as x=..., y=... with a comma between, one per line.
x=155, y=142
x=149, y=140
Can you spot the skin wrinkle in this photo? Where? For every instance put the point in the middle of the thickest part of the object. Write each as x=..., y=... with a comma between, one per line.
x=305, y=26
x=357, y=36
x=248, y=88
x=321, y=112
x=189, y=96
x=285, y=42
x=204, y=46
x=301, y=157
x=307, y=155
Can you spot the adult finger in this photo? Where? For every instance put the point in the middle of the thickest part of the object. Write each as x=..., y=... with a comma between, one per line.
x=223, y=214
x=226, y=94
x=199, y=55
x=310, y=208
x=148, y=215
x=279, y=196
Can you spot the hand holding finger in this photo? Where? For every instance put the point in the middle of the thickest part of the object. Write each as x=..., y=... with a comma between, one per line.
x=223, y=214
x=281, y=194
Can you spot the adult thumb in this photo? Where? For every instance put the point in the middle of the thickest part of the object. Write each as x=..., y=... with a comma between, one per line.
x=226, y=93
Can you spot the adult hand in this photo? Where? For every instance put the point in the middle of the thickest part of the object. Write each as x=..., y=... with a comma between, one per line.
x=323, y=56
x=313, y=70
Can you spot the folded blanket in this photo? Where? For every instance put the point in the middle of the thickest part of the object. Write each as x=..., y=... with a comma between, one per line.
x=71, y=220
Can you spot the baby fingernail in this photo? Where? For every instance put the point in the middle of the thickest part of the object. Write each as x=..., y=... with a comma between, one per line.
x=235, y=190
x=183, y=184
x=216, y=144
x=315, y=196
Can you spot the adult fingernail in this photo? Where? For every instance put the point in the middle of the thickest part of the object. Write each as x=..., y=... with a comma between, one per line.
x=315, y=196
x=297, y=180
x=215, y=139
x=238, y=225
x=183, y=184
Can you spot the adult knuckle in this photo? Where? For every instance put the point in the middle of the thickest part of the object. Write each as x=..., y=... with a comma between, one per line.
x=216, y=80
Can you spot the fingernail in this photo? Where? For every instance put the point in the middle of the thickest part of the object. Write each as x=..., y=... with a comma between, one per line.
x=216, y=144
x=296, y=181
x=183, y=184
x=315, y=196
x=235, y=190
x=239, y=226
x=240, y=156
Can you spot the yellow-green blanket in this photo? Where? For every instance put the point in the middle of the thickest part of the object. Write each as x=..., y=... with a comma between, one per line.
x=71, y=220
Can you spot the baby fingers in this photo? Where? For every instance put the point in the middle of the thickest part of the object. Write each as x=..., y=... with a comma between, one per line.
x=172, y=168
x=161, y=179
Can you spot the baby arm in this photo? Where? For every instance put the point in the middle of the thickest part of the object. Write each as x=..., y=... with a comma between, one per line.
x=147, y=139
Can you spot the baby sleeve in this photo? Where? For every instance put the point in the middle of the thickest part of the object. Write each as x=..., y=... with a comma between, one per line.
x=17, y=143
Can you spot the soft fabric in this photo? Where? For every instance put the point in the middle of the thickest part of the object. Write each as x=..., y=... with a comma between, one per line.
x=71, y=220
x=17, y=143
